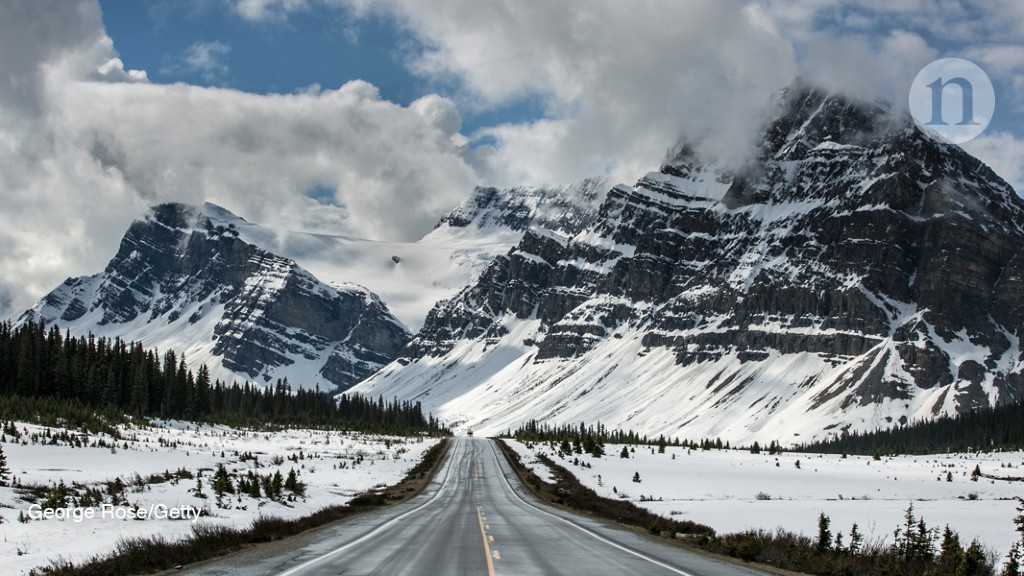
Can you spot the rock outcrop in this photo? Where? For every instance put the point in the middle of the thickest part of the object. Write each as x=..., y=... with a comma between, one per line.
x=856, y=273
x=184, y=279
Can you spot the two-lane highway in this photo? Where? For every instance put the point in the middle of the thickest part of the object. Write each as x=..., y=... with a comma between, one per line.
x=474, y=518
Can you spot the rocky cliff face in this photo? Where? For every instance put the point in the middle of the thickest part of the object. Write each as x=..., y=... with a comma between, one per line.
x=856, y=273
x=184, y=279
x=567, y=209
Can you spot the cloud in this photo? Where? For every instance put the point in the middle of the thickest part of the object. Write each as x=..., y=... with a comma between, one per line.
x=86, y=146
x=1006, y=63
x=268, y=10
x=868, y=66
x=620, y=83
x=207, y=59
x=1004, y=153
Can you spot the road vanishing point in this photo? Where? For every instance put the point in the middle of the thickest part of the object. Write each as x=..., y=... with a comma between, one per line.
x=475, y=518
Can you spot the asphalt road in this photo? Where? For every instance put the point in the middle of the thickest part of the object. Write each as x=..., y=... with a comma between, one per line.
x=474, y=518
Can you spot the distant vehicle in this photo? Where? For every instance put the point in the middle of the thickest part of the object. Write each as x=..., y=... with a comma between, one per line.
x=469, y=432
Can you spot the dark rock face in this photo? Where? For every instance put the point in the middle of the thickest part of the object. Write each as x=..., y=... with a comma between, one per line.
x=567, y=209
x=852, y=236
x=179, y=267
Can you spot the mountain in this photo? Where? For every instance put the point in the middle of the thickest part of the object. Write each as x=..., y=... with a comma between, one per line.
x=183, y=279
x=856, y=273
x=260, y=304
x=563, y=209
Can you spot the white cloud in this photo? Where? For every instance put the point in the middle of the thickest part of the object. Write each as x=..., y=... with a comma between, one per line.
x=206, y=58
x=86, y=146
x=1004, y=153
x=620, y=82
x=1004, y=62
x=869, y=66
x=268, y=10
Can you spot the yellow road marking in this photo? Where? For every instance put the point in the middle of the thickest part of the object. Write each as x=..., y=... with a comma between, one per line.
x=487, y=547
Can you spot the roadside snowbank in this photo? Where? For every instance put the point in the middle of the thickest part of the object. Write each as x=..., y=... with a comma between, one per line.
x=334, y=466
x=734, y=490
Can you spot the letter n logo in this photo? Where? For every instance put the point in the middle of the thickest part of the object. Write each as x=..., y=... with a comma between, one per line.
x=966, y=99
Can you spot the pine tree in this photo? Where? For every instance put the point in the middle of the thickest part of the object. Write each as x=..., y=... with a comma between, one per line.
x=824, y=533
x=5, y=472
x=856, y=539
x=950, y=550
x=1012, y=566
x=254, y=486
x=973, y=562
x=1018, y=521
x=914, y=541
x=624, y=453
x=636, y=477
x=292, y=483
x=276, y=484
x=222, y=482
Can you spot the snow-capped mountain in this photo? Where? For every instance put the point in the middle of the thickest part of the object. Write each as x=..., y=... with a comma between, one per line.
x=183, y=279
x=857, y=273
x=258, y=304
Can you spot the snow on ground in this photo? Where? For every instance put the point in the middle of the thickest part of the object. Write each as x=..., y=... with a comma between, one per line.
x=335, y=466
x=529, y=459
x=734, y=490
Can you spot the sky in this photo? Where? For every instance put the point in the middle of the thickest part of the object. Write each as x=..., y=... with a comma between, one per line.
x=374, y=118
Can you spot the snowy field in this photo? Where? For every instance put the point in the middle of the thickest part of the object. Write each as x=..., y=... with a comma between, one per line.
x=334, y=466
x=734, y=490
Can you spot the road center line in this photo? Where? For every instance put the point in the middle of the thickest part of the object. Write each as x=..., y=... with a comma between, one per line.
x=584, y=530
x=382, y=527
x=487, y=547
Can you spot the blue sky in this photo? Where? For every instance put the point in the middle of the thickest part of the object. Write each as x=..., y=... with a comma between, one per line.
x=208, y=43
x=317, y=45
x=373, y=118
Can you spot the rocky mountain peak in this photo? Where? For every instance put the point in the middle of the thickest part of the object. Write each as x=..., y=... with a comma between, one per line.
x=805, y=116
x=856, y=273
x=566, y=208
x=183, y=278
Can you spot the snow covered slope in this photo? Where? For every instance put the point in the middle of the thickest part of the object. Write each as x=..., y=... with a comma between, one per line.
x=183, y=279
x=259, y=304
x=735, y=491
x=447, y=259
x=857, y=273
x=160, y=466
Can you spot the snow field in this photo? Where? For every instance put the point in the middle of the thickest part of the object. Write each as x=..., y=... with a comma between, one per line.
x=335, y=466
x=529, y=459
x=734, y=490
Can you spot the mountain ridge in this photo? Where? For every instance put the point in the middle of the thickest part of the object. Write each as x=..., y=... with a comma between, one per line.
x=856, y=274
x=237, y=296
x=183, y=279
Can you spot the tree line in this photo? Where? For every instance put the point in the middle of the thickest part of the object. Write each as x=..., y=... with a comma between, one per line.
x=586, y=435
x=985, y=429
x=41, y=367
